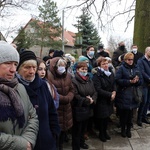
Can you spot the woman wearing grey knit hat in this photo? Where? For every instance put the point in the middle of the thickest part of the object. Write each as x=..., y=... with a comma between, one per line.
x=18, y=119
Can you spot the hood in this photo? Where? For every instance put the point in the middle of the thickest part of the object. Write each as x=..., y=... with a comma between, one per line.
x=53, y=67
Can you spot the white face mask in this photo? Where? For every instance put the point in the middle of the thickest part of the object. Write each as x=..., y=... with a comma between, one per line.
x=91, y=53
x=134, y=50
x=61, y=69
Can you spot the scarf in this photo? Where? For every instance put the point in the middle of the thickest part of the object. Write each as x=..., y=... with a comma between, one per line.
x=10, y=104
x=23, y=81
x=106, y=72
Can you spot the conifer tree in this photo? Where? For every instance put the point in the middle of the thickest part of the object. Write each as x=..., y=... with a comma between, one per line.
x=23, y=40
x=47, y=27
x=87, y=32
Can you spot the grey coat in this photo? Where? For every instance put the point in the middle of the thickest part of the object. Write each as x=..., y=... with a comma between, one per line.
x=14, y=138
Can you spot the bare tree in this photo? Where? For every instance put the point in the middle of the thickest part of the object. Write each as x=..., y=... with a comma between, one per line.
x=137, y=10
x=7, y=5
x=9, y=9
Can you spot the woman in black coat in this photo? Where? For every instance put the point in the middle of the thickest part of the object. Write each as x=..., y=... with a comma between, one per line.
x=105, y=87
x=85, y=96
x=127, y=77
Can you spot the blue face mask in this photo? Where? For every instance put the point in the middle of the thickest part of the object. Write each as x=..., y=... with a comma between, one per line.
x=83, y=73
x=91, y=53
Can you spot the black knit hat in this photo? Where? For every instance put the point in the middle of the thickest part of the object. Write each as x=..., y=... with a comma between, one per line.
x=26, y=55
x=58, y=53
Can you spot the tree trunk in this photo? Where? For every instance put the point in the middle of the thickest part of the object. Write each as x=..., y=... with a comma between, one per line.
x=142, y=24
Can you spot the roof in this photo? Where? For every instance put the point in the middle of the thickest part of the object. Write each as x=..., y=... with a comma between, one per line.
x=69, y=37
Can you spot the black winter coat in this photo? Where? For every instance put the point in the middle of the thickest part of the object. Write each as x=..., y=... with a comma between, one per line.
x=48, y=119
x=104, y=86
x=124, y=96
x=83, y=88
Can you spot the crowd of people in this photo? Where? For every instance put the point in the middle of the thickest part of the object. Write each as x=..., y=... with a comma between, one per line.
x=44, y=98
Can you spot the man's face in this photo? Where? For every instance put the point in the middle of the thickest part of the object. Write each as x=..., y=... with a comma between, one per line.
x=91, y=49
x=148, y=53
x=90, y=52
x=134, y=47
x=27, y=71
x=8, y=70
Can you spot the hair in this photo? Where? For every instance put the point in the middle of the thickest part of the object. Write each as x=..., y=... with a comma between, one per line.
x=27, y=62
x=147, y=49
x=121, y=43
x=100, y=46
x=60, y=61
x=128, y=55
x=81, y=64
x=133, y=45
x=100, y=60
x=39, y=61
x=51, y=51
x=89, y=47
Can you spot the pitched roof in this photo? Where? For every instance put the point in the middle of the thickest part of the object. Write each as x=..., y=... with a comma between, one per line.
x=69, y=37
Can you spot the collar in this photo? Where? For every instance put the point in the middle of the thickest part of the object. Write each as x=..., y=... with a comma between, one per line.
x=147, y=58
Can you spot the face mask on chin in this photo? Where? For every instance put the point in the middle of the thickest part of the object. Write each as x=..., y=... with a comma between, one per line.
x=61, y=69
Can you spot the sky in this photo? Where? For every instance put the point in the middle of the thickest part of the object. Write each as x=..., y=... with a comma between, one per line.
x=116, y=29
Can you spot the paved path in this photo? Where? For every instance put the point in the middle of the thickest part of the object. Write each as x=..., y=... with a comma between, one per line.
x=140, y=139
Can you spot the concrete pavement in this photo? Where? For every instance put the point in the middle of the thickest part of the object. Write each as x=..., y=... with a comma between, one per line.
x=140, y=139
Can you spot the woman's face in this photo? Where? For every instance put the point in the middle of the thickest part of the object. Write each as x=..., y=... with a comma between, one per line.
x=41, y=70
x=82, y=69
x=104, y=65
x=129, y=61
x=61, y=68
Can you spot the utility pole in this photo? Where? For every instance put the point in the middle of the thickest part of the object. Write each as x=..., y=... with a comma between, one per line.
x=63, y=49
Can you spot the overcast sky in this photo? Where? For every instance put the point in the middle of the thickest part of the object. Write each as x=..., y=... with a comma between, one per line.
x=115, y=29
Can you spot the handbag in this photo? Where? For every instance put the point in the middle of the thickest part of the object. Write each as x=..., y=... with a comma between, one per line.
x=137, y=92
x=81, y=113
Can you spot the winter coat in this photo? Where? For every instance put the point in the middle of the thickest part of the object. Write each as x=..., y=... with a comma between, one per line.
x=144, y=66
x=137, y=56
x=65, y=90
x=92, y=61
x=104, y=86
x=14, y=138
x=124, y=97
x=49, y=127
x=118, y=52
x=83, y=88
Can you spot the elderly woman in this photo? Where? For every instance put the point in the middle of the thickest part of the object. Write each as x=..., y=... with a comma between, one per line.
x=85, y=96
x=105, y=87
x=58, y=75
x=41, y=99
x=127, y=76
x=18, y=119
